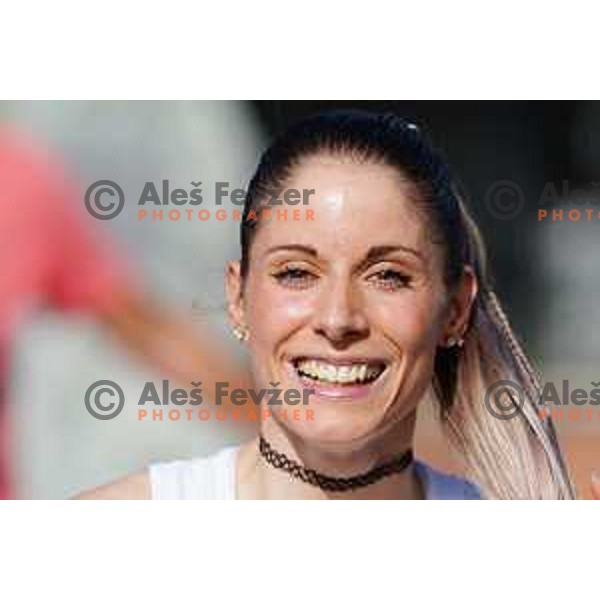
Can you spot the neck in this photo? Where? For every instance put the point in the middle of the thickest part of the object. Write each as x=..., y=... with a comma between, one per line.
x=259, y=480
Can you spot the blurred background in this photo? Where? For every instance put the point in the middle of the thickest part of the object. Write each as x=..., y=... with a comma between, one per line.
x=56, y=340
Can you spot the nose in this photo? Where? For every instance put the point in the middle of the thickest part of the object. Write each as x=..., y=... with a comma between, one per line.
x=340, y=316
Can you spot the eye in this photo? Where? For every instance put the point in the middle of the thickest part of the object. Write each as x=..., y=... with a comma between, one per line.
x=294, y=277
x=391, y=279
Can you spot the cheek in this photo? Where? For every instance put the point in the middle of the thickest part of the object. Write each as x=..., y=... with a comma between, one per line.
x=411, y=321
x=274, y=312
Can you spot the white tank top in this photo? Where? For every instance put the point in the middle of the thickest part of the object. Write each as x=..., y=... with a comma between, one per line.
x=213, y=478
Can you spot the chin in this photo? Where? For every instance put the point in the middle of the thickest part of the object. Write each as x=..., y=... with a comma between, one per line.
x=336, y=426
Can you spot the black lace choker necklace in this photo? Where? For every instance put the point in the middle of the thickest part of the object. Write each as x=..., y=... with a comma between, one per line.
x=333, y=484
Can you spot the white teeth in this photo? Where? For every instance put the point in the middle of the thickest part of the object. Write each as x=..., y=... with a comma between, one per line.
x=334, y=374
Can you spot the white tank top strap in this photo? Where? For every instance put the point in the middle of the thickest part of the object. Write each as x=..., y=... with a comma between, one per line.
x=206, y=478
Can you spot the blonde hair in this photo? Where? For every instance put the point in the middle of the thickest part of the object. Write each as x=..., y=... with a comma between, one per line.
x=509, y=450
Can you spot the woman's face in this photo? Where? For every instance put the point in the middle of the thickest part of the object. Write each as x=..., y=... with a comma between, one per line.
x=351, y=304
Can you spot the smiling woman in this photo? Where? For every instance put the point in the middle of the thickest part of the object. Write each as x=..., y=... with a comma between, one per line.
x=378, y=301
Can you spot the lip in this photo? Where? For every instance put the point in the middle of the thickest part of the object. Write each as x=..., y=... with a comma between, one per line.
x=327, y=390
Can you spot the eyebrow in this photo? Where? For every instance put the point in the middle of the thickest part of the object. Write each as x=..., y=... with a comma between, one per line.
x=294, y=247
x=374, y=253
x=377, y=252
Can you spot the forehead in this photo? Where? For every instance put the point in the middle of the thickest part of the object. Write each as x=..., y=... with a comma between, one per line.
x=356, y=206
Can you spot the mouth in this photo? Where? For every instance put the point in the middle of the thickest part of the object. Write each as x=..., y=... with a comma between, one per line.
x=353, y=377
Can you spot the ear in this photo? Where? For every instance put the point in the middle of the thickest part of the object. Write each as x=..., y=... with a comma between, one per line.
x=234, y=291
x=460, y=306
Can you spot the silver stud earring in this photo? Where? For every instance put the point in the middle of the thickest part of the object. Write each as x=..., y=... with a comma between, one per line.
x=240, y=333
x=452, y=341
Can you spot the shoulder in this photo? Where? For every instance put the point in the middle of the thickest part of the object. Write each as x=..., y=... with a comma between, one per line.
x=131, y=487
